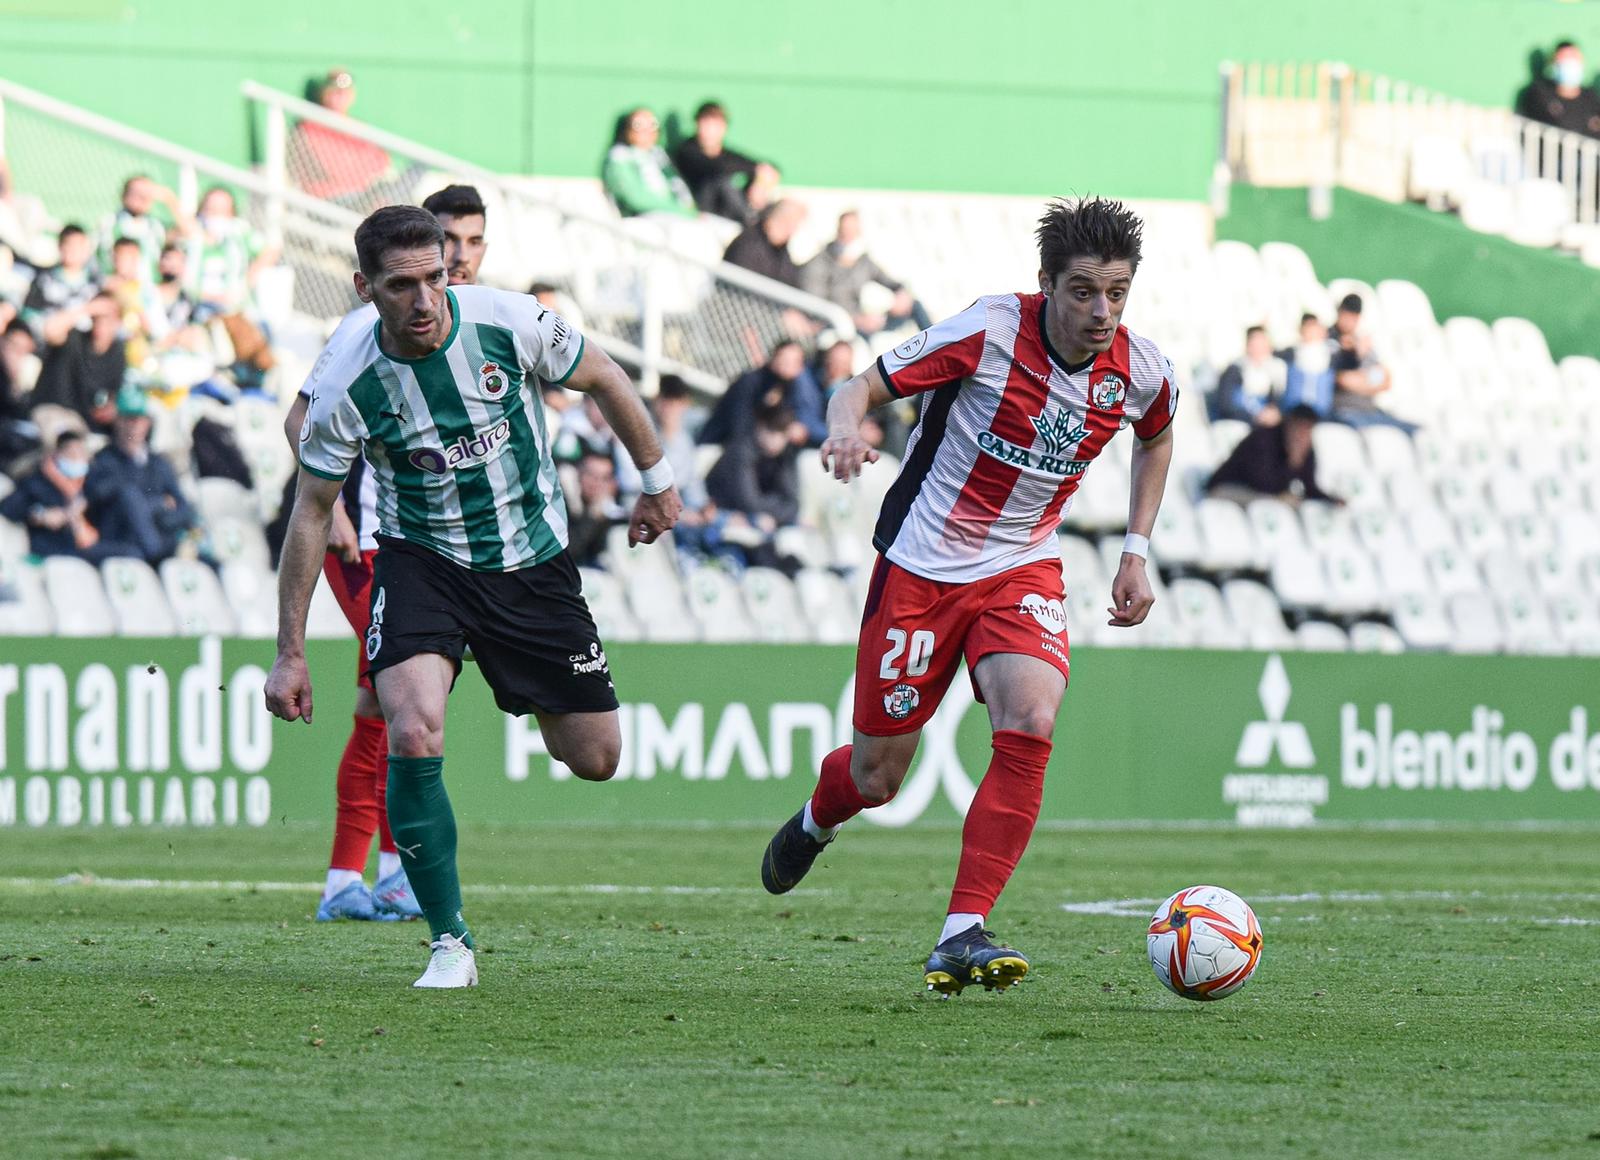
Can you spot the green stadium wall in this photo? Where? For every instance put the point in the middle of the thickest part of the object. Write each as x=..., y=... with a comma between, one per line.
x=107, y=733
x=1464, y=273
x=1026, y=98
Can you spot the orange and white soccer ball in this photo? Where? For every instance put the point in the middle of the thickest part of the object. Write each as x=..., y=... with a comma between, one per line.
x=1205, y=943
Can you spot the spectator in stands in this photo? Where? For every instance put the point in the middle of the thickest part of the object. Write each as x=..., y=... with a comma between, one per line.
x=1358, y=377
x=842, y=269
x=224, y=255
x=51, y=503
x=1252, y=387
x=178, y=306
x=1273, y=461
x=133, y=493
x=784, y=380
x=887, y=428
x=134, y=220
x=723, y=181
x=68, y=283
x=82, y=370
x=329, y=163
x=763, y=246
x=1309, y=382
x=638, y=174
x=757, y=485
x=594, y=510
x=671, y=408
x=1563, y=97
x=19, y=369
x=144, y=315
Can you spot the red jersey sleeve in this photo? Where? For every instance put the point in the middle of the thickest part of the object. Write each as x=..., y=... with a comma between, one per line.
x=946, y=352
x=1163, y=405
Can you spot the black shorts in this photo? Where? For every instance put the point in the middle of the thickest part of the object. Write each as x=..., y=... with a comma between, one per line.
x=530, y=631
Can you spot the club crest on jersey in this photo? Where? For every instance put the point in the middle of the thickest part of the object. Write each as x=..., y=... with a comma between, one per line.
x=901, y=701
x=1061, y=434
x=491, y=378
x=1106, y=394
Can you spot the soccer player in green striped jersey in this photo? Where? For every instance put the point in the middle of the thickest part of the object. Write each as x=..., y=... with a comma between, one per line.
x=441, y=397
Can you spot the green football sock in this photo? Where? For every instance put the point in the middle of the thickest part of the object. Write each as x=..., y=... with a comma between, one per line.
x=424, y=829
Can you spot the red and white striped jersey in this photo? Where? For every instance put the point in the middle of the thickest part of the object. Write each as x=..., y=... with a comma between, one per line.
x=1006, y=430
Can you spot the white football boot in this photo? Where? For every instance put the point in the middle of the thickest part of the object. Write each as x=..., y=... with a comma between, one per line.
x=453, y=964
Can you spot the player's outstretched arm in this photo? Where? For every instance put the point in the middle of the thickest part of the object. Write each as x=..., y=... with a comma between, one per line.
x=844, y=450
x=288, y=688
x=1131, y=598
x=602, y=379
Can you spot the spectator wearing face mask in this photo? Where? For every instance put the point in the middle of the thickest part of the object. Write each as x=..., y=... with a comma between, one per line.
x=1251, y=387
x=1309, y=381
x=51, y=503
x=1563, y=97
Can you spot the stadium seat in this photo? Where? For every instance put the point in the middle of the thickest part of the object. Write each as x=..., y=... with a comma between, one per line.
x=1353, y=586
x=658, y=605
x=137, y=598
x=1101, y=502
x=1178, y=532
x=1541, y=209
x=1530, y=535
x=218, y=498
x=1230, y=544
x=1390, y=451
x=774, y=606
x=1439, y=170
x=1299, y=580
x=1372, y=636
x=827, y=602
x=1339, y=449
x=1256, y=612
x=1226, y=434
x=1403, y=571
x=1476, y=624
x=1200, y=610
x=1080, y=563
x=1505, y=574
x=239, y=540
x=1528, y=626
x=608, y=604
x=13, y=538
x=1326, y=524
x=1453, y=573
x=325, y=619
x=1276, y=527
x=78, y=598
x=716, y=603
x=199, y=604
x=1556, y=573
x=24, y=607
x=1422, y=622
x=1378, y=530
x=252, y=596
x=1321, y=636
x=1487, y=208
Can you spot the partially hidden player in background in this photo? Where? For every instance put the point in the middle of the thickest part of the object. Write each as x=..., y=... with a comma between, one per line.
x=363, y=769
x=440, y=396
x=1020, y=392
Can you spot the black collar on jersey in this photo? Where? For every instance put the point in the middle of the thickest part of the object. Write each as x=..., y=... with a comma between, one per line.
x=1044, y=337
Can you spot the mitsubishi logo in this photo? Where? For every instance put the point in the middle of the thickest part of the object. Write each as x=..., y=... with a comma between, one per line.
x=1061, y=433
x=1289, y=738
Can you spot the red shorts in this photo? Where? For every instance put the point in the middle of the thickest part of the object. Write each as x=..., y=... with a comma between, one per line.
x=915, y=632
x=352, y=588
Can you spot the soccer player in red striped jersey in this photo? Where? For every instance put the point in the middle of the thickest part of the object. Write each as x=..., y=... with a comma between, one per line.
x=1019, y=393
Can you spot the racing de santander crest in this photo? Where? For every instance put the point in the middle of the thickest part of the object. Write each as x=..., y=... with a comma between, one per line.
x=1108, y=392
x=491, y=378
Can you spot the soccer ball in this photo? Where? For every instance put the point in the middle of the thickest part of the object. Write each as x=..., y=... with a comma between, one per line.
x=1204, y=943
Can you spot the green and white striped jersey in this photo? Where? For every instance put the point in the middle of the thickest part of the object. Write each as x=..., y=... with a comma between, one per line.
x=456, y=440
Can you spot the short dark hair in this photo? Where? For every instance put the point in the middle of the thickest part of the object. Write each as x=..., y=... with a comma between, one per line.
x=124, y=241
x=1088, y=227
x=1350, y=304
x=711, y=109
x=1561, y=44
x=172, y=248
x=1310, y=316
x=1253, y=331
x=1302, y=413
x=395, y=227
x=128, y=184
x=538, y=288
x=18, y=326
x=457, y=201
x=71, y=229
x=774, y=417
x=65, y=439
x=672, y=387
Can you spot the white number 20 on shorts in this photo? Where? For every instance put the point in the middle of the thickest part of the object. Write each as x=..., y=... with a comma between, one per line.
x=917, y=658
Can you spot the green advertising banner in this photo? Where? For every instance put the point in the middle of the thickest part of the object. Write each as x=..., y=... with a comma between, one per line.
x=118, y=733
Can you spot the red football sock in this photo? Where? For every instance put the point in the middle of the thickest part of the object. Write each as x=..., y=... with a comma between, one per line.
x=836, y=799
x=1000, y=820
x=381, y=787
x=356, y=818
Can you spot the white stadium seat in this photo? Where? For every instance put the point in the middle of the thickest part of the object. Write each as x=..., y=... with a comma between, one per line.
x=774, y=606
x=1422, y=623
x=1256, y=612
x=1476, y=624
x=1453, y=573
x=1321, y=636
x=1229, y=540
x=657, y=601
x=253, y=597
x=137, y=598
x=608, y=604
x=1276, y=526
x=1352, y=583
x=325, y=620
x=24, y=608
x=716, y=603
x=78, y=598
x=199, y=604
x=1375, y=636
x=829, y=604
x=1200, y=609
x=1299, y=580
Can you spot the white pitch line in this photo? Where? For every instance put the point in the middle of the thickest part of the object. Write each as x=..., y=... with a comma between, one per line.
x=243, y=887
x=1141, y=907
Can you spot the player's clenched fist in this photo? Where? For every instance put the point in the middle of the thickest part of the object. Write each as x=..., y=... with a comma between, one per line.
x=844, y=455
x=288, y=689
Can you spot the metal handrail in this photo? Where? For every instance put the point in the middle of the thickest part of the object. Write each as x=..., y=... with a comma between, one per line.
x=507, y=186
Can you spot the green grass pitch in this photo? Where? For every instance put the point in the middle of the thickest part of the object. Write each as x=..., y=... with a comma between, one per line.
x=1422, y=993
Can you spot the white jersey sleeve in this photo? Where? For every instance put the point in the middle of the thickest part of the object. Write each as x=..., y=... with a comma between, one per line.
x=548, y=344
x=361, y=318
x=332, y=435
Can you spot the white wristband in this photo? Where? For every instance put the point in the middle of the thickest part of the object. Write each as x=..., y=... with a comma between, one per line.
x=1133, y=544
x=656, y=479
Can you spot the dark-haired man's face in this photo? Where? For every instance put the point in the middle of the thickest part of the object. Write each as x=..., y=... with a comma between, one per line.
x=409, y=292
x=1085, y=306
x=75, y=251
x=463, y=247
